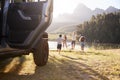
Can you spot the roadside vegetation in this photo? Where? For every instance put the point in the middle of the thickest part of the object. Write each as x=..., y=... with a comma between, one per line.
x=102, y=28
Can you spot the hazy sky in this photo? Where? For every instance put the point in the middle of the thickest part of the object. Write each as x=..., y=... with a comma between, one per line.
x=67, y=6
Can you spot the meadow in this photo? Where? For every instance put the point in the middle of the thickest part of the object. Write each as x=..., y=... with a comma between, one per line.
x=68, y=65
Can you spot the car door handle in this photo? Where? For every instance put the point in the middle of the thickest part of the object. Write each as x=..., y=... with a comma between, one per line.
x=23, y=16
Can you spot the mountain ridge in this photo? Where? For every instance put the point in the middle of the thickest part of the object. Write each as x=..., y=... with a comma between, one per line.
x=80, y=14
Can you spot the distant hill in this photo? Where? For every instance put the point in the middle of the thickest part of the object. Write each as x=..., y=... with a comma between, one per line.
x=57, y=27
x=66, y=22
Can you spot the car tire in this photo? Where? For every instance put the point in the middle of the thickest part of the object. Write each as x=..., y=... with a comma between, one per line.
x=41, y=53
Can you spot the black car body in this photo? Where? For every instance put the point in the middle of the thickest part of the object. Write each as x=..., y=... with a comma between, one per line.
x=22, y=25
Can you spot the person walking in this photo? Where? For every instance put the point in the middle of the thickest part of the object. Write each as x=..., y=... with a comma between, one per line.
x=82, y=42
x=73, y=40
x=64, y=41
x=59, y=43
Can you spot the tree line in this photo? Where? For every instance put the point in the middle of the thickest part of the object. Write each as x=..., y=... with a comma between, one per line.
x=102, y=28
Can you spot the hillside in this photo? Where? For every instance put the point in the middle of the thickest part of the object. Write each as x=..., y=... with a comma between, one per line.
x=81, y=13
x=59, y=27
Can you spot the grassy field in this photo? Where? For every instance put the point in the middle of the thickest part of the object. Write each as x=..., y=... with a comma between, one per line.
x=55, y=36
x=69, y=65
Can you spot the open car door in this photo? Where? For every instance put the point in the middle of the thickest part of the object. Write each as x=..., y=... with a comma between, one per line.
x=26, y=21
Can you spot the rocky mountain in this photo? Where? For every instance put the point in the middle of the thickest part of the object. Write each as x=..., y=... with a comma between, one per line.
x=97, y=11
x=81, y=13
x=111, y=9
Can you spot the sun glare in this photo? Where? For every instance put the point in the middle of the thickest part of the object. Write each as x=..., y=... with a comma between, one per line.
x=63, y=6
x=68, y=6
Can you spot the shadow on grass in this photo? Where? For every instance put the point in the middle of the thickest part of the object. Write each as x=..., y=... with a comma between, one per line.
x=14, y=67
x=73, y=58
x=82, y=53
x=79, y=70
x=96, y=53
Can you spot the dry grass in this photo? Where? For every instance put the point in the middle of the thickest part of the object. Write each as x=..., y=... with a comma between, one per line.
x=69, y=65
x=55, y=36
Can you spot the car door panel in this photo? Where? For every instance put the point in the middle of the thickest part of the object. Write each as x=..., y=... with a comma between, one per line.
x=29, y=10
x=25, y=22
x=20, y=28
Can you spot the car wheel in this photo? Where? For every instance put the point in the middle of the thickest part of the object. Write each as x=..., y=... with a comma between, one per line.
x=41, y=53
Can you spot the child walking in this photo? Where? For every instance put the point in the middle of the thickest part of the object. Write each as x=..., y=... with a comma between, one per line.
x=65, y=41
x=59, y=43
x=82, y=42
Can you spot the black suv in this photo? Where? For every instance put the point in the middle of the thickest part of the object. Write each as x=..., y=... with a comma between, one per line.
x=22, y=28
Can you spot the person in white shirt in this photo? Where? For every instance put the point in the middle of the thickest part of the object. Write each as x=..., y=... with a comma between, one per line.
x=59, y=43
x=73, y=40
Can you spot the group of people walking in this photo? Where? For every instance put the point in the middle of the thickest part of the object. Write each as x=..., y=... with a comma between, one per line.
x=62, y=42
